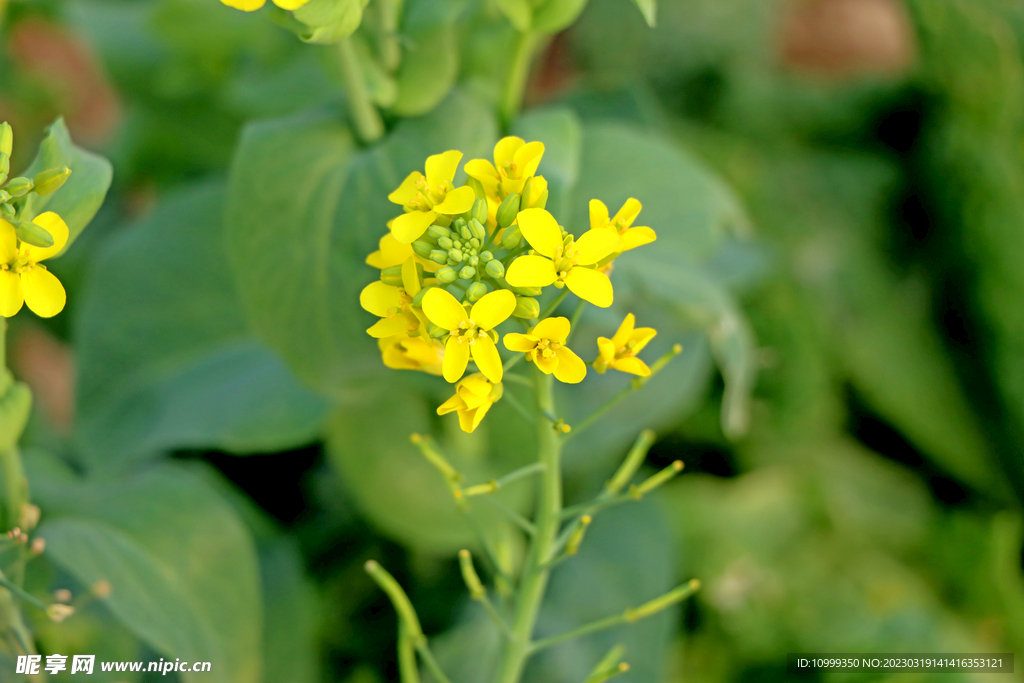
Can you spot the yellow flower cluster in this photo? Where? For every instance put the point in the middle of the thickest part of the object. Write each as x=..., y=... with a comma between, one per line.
x=460, y=261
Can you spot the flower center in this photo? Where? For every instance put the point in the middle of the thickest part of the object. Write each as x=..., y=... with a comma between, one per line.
x=546, y=348
x=427, y=197
x=565, y=260
x=468, y=332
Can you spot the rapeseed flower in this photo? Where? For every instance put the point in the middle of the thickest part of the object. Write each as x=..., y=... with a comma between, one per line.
x=402, y=352
x=619, y=352
x=425, y=197
x=545, y=346
x=474, y=396
x=253, y=5
x=515, y=162
x=470, y=333
x=22, y=279
x=394, y=305
x=622, y=223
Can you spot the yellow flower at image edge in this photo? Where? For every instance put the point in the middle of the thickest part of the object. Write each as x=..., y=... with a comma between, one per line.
x=469, y=334
x=22, y=279
x=619, y=352
x=402, y=352
x=474, y=396
x=545, y=346
x=563, y=264
x=424, y=197
x=253, y=5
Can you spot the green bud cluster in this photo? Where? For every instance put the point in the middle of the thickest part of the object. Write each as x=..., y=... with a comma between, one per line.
x=14, y=191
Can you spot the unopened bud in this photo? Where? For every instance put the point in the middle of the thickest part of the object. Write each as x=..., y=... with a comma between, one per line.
x=486, y=256
x=445, y=243
x=527, y=291
x=477, y=228
x=494, y=269
x=478, y=189
x=535, y=193
x=435, y=331
x=7, y=211
x=508, y=210
x=447, y=275
x=455, y=256
x=6, y=139
x=422, y=248
x=51, y=180
x=31, y=233
x=437, y=232
x=392, y=275
x=479, y=212
x=438, y=256
x=467, y=272
x=511, y=237
x=526, y=307
x=5, y=167
x=18, y=187
x=477, y=290
x=418, y=299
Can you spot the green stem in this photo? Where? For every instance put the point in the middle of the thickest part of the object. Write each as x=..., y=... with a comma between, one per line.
x=365, y=116
x=553, y=305
x=536, y=573
x=390, y=50
x=515, y=81
x=408, y=672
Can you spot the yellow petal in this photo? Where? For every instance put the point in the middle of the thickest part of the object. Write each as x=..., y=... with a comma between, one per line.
x=44, y=294
x=571, y=368
x=406, y=192
x=590, y=285
x=390, y=252
x=547, y=364
x=467, y=420
x=531, y=271
x=598, y=214
x=389, y=327
x=408, y=227
x=527, y=158
x=459, y=200
x=492, y=310
x=456, y=357
x=245, y=5
x=441, y=167
x=485, y=354
x=290, y=4
x=379, y=298
x=12, y=295
x=8, y=243
x=628, y=213
x=53, y=224
x=637, y=237
x=594, y=245
x=632, y=365
x=484, y=171
x=444, y=310
x=606, y=349
x=411, y=277
x=478, y=415
x=474, y=387
x=506, y=149
x=555, y=329
x=624, y=332
x=541, y=230
x=640, y=337
x=454, y=403
x=520, y=342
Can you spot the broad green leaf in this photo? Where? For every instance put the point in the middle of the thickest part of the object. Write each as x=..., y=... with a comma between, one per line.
x=330, y=21
x=428, y=71
x=83, y=193
x=649, y=8
x=166, y=360
x=181, y=564
x=290, y=605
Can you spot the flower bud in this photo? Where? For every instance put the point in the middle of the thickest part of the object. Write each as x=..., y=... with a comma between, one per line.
x=478, y=189
x=19, y=187
x=479, y=212
x=447, y=275
x=5, y=167
x=477, y=228
x=466, y=233
x=477, y=290
x=486, y=256
x=456, y=255
x=495, y=269
x=438, y=256
x=422, y=248
x=508, y=210
x=6, y=138
x=7, y=211
x=526, y=291
x=51, y=180
x=526, y=307
x=435, y=331
x=445, y=243
x=389, y=276
x=535, y=193
x=511, y=238
x=418, y=299
x=31, y=233
x=467, y=272
x=475, y=243
x=437, y=232
x=457, y=226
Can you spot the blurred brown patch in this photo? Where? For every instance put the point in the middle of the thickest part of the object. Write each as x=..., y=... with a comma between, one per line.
x=68, y=68
x=555, y=71
x=45, y=363
x=842, y=39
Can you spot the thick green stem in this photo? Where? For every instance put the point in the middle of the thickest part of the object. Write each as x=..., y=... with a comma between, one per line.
x=515, y=81
x=549, y=509
x=365, y=116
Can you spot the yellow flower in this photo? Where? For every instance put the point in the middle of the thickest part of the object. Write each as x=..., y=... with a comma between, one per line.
x=470, y=333
x=393, y=305
x=563, y=264
x=22, y=279
x=403, y=352
x=473, y=397
x=619, y=352
x=545, y=346
x=252, y=5
x=631, y=237
x=515, y=162
x=424, y=197
x=390, y=252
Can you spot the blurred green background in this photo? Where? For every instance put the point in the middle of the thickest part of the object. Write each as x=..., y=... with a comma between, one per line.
x=838, y=188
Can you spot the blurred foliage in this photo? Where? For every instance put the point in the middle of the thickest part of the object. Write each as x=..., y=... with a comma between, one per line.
x=839, y=218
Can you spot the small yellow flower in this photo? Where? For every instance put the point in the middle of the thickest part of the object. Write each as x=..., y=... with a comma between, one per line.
x=390, y=252
x=545, y=346
x=403, y=352
x=515, y=162
x=253, y=5
x=393, y=305
x=22, y=279
x=473, y=397
x=470, y=333
x=619, y=352
x=424, y=197
x=563, y=262
x=621, y=223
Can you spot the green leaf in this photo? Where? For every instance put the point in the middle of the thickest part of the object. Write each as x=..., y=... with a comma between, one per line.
x=166, y=360
x=519, y=12
x=330, y=21
x=290, y=604
x=649, y=8
x=83, y=193
x=429, y=69
x=181, y=564
x=556, y=15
